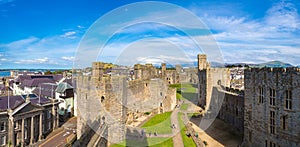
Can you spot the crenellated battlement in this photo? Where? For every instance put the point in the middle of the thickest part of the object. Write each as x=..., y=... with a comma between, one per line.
x=275, y=70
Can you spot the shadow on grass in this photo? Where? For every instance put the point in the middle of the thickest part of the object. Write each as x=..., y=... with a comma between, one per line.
x=192, y=97
x=136, y=138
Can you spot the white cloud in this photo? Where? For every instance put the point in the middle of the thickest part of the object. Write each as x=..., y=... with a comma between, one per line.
x=283, y=17
x=276, y=36
x=40, y=52
x=68, y=58
x=70, y=35
x=23, y=43
x=34, y=61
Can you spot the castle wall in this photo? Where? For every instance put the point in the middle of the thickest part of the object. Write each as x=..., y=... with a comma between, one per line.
x=232, y=109
x=259, y=107
x=113, y=100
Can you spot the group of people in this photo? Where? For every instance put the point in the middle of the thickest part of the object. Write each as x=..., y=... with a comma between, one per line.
x=144, y=132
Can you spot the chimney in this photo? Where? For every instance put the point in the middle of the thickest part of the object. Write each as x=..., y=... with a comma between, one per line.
x=27, y=98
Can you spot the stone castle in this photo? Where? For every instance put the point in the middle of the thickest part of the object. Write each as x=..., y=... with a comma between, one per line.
x=113, y=97
x=266, y=112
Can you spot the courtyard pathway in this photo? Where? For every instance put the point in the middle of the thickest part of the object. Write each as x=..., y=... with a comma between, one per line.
x=177, y=139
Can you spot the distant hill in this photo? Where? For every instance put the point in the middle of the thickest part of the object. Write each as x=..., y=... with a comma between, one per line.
x=272, y=64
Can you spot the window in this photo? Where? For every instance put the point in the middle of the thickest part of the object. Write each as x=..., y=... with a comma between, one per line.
x=16, y=124
x=3, y=140
x=25, y=133
x=288, y=99
x=250, y=136
x=102, y=99
x=284, y=122
x=272, y=144
x=43, y=127
x=272, y=97
x=49, y=114
x=2, y=126
x=49, y=125
x=261, y=95
x=272, y=122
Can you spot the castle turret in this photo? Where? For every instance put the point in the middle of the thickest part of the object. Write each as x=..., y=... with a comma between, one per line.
x=202, y=61
x=163, y=70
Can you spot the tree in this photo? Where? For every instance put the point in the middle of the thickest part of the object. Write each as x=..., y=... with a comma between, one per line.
x=48, y=72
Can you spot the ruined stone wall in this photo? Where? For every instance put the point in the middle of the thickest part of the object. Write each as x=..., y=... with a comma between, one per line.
x=209, y=78
x=113, y=100
x=169, y=101
x=98, y=107
x=232, y=110
x=257, y=130
x=145, y=72
x=189, y=75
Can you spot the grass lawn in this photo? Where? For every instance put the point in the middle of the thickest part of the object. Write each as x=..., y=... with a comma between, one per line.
x=184, y=106
x=196, y=114
x=161, y=123
x=187, y=141
x=185, y=91
x=151, y=142
x=160, y=142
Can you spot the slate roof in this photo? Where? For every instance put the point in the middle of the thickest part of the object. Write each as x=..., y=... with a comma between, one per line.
x=15, y=101
x=57, y=77
x=36, y=82
x=62, y=87
x=22, y=78
x=46, y=90
x=42, y=100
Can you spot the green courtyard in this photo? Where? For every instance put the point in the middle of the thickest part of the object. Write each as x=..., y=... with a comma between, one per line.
x=160, y=123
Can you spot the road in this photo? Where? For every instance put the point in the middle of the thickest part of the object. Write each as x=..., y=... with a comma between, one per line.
x=59, y=137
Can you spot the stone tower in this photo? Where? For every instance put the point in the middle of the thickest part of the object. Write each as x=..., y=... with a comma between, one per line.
x=163, y=70
x=202, y=61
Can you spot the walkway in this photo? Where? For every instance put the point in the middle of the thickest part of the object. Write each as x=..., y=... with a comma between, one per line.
x=177, y=139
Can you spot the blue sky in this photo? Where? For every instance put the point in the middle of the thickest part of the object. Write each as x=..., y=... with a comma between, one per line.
x=46, y=34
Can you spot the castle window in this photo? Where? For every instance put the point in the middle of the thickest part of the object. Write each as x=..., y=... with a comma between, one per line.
x=272, y=144
x=102, y=99
x=2, y=126
x=284, y=122
x=272, y=96
x=272, y=122
x=250, y=136
x=288, y=99
x=261, y=95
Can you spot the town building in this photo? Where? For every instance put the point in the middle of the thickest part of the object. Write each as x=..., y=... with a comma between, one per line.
x=25, y=84
x=26, y=119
